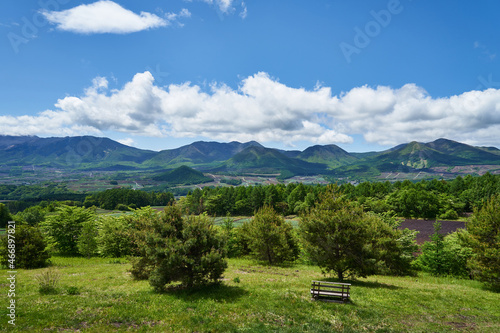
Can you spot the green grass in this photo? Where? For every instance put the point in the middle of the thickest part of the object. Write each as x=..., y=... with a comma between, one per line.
x=99, y=295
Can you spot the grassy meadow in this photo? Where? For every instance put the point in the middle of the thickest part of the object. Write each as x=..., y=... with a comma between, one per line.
x=99, y=295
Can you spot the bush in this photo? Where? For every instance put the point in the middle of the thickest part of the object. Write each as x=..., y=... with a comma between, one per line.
x=233, y=246
x=32, y=215
x=87, y=240
x=450, y=214
x=114, y=239
x=30, y=248
x=122, y=207
x=173, y=249
x=65, y=226
x=483, y=238
x=271, y=238
x=444, y=255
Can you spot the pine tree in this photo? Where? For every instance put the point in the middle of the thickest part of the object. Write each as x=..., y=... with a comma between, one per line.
x=271, y=238
x=176, y=249
x=341, y=238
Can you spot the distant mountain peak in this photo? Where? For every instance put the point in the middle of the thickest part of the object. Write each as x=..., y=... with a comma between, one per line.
x=94, y=153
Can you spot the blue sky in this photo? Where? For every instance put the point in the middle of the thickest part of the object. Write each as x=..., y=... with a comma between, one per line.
x=365, y=75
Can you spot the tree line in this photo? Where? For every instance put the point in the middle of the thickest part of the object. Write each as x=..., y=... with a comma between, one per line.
x=33, y=210
x=424, y=199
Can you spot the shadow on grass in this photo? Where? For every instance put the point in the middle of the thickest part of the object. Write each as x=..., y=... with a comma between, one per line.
x=491, y=288
x=377, y=285
x=217, y=292
x=365, y=284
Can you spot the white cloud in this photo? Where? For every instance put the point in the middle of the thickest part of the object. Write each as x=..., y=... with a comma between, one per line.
x=244, y=11
x=107, y=17
x=486, y=53
x=264, y=109
x=391, y=116
x=127, y=142
x=225, y=6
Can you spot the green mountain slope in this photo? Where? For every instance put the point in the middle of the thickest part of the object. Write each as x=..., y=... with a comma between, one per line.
x=182, y=175
x=256, y=159
x=93, y=153
x=456, y=149
x=331, y=155
x=199, y=153
x=72, y=152
x=418, y=156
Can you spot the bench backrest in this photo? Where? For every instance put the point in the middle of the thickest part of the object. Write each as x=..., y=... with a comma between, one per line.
x=336, y=286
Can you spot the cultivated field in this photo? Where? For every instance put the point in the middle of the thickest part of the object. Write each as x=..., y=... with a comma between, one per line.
x=425, y=228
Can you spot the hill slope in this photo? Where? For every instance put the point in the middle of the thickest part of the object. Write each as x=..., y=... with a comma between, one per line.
x=256, y=159
x=472, y=155
x=331, y=155
x=199, y=153
x=70, y=152
x=182, y=175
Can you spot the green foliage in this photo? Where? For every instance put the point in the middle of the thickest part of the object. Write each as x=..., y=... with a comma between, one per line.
x=30, y=248
x=341, y=238
x=415, y=203
x=233, y=246
x=424, y=199
x=458, y=254
x=444, y=255
x=290, y=199
x=271, y=238
x=64, y=227
x=110, y=199
x=72, y=290
x=484, y=239
x=231, y=181
x=87, y=240
x=31, y=215
x=334, y=235
x=114, y=236
x=37, y=193
x=396, y=258
x=450, y=214
x=4, y=215
x=175, y=249
x=122, y=207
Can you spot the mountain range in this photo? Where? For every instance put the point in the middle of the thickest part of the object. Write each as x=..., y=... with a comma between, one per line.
x=94, y=153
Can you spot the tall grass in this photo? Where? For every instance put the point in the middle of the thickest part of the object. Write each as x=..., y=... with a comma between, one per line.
x=48, y=280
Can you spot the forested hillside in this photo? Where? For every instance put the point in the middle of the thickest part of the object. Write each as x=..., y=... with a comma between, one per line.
x=20, y=155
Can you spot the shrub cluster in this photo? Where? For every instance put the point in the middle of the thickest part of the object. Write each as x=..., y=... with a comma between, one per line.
x=172, y=248
x=30, y=248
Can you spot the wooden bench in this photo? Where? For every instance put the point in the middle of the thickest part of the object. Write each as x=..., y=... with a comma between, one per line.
x=330, y=291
